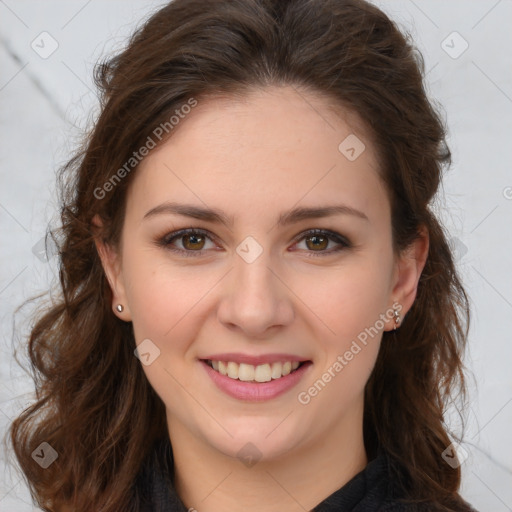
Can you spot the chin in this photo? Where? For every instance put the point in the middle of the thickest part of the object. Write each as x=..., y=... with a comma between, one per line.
x=256, y=439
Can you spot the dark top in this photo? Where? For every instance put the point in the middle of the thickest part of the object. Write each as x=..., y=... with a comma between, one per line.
x=370, y=490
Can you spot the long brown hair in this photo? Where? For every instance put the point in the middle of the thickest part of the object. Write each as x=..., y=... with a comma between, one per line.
x=94, y=405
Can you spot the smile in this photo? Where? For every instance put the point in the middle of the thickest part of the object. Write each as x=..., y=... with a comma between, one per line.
x=254, y=373
x=255, y=383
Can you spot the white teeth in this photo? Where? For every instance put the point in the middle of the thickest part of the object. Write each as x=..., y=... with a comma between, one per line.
x=245, y=371
x=233, y=370
x=250, y=373
x=276, y=370
x=263, y=373
x=223, y=368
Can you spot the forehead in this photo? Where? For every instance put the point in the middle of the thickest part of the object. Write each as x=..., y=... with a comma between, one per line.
x=271, y=149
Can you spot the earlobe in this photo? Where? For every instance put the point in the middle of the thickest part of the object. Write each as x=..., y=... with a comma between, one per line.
x=112, y=268
x=410, y=267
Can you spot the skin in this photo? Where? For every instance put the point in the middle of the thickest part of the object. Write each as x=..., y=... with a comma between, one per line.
x=254, y=158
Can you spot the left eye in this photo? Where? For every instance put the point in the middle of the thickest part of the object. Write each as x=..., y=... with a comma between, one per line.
x=193, y=241
x=320, y=238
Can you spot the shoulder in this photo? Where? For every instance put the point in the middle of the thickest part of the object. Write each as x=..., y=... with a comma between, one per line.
x=154, y=490
x=395, y=499
x=403, y=506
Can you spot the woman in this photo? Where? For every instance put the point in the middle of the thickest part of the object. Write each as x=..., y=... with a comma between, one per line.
x=260, y=310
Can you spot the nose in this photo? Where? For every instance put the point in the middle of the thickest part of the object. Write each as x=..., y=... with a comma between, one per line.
x=255, y=298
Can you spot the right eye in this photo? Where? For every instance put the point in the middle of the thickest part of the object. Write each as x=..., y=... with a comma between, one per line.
x=192, y=239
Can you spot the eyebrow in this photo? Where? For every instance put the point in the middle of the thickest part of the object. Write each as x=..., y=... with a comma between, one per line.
x=285, y=218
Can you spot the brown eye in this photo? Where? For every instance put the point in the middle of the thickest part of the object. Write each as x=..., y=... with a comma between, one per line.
x=317, y=242
x=194, y=241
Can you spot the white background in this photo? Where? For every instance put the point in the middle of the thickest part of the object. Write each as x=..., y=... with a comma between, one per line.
x=46, y=103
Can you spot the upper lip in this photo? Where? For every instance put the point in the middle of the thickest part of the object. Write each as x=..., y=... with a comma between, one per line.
x=254, y=360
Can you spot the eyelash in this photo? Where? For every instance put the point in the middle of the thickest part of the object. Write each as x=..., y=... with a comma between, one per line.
x=166, y=241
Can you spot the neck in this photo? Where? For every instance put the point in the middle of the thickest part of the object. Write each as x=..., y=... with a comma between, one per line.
x=208, y=480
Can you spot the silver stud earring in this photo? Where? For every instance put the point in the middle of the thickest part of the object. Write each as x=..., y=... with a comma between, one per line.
x=120, y=308
x=397, y=319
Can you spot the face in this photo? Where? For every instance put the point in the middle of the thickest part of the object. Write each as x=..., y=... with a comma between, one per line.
x=260, y=283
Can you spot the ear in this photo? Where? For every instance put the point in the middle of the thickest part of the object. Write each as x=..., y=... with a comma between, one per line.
x=111, y=263
x=408, y=272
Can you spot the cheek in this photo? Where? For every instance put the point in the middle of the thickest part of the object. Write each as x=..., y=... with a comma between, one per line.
x=165, y=304
x=160, y=305
x=167, y=301
x=348, y=299
x=352, y=307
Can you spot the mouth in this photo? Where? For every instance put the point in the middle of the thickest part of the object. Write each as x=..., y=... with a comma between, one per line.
x=255, y=373
x=256, y=383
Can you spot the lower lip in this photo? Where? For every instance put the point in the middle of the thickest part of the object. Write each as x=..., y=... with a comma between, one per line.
x=256, y=391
